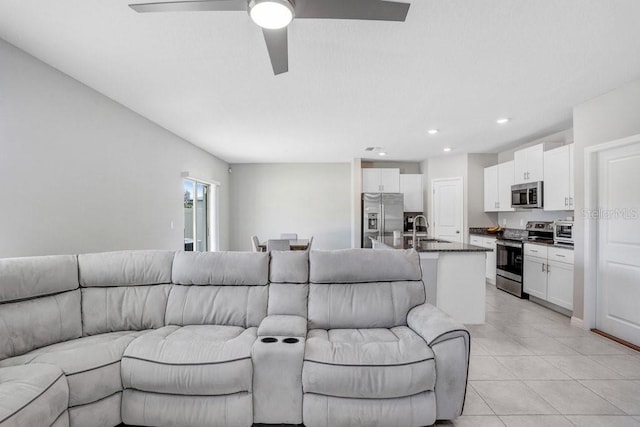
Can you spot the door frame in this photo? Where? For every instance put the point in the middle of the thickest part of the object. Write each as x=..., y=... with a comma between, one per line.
x=433, y=217
x=213, y=209
x=590, y=269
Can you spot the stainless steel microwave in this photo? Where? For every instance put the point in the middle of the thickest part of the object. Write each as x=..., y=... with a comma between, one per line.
x=527, y=195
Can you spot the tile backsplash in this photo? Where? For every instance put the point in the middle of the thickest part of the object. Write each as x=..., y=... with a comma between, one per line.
x=519, y=218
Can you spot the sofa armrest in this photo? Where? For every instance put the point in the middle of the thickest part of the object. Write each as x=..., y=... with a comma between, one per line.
x=434, y=325
x=450, y=342
x=283, y=325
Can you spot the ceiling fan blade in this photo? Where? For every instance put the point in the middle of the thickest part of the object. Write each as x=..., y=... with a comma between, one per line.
x=277, y=45
x=370, y=10
x=191, y=6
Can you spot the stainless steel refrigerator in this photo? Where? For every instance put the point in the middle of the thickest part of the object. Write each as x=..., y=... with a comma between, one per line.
x=382, y=214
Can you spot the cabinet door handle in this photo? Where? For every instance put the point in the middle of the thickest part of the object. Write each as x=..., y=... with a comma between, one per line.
x=524, y=175
x=561, y=256
x=570, y=201
x=533, y=250
x=543, y=268
x=548, y=269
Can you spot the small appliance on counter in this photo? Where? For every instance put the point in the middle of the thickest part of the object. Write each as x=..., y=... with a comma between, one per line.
x=563, y=232
x=527, y=196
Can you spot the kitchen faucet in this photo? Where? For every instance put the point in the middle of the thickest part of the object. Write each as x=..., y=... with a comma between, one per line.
x=415, y=224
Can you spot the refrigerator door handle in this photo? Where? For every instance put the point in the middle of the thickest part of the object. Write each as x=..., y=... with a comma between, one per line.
x=383, y=227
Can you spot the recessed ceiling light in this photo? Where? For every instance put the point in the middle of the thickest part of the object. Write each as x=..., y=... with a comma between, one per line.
x=271, y=14
x=503, y=120
x=382, y=153
x=433, y=131
x=446, y=150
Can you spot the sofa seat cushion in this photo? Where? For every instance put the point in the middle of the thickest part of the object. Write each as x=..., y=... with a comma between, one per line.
x=205, y=360
x=34, y=395
x=91, y=364
x=367, y=363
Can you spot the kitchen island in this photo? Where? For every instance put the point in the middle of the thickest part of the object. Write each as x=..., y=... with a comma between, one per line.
x=454, y=277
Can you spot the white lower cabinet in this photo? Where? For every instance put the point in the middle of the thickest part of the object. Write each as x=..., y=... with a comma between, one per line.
x=535, y=277
x=548, y=274
x=490, y=266
x=560, y=284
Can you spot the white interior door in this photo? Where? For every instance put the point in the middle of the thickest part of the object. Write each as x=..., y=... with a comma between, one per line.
x=447, y=209
x=618, y=281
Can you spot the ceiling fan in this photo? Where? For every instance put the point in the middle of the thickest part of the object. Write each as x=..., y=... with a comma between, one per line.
x=275, y=15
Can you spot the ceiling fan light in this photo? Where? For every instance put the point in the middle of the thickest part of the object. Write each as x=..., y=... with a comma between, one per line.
x=271, y=14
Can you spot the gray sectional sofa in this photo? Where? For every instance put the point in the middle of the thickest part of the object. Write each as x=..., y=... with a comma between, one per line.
x=160, y=338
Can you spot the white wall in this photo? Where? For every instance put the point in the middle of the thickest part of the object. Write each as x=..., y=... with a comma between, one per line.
x=563, y=137
x=405, y=167
x=81, y=173
x=606, y=118
x=311, y=199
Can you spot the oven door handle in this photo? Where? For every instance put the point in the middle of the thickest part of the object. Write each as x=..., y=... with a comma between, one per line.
x=510, y=244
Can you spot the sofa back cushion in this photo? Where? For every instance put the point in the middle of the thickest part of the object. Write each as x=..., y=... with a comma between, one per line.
x=289, y=283
x=39, y=303
x=125, y=290
x=362, y=288
x=218, y=288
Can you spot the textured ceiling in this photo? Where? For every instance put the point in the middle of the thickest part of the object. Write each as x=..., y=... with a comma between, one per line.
x=455, y=65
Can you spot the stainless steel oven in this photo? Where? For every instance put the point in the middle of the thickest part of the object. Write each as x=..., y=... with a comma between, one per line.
x=527, y=195
x=509, y=266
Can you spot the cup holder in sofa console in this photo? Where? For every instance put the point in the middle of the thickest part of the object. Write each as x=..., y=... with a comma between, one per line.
x=269, y=340
x=290, y=340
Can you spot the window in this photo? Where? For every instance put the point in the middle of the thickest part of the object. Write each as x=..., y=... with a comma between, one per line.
x=197, y=215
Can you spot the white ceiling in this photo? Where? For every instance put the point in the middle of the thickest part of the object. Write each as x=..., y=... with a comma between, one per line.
x=455, y=65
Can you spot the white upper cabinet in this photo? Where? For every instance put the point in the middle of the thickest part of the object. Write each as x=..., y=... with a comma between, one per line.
x=558, y=183
x=491, y=189
x=529, y=164
x=506, y=178
x=411, y=188
x=498, y=180
x=380, y=180
x=390, y=180
x=370, y=180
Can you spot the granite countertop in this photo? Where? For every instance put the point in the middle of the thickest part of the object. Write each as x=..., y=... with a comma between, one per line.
x=483, y=231
x=442, y=246
x=431, y=244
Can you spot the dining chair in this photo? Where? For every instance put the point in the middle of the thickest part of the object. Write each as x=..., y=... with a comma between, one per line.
x=289, y=236
x=278, y=245
x=255, y=243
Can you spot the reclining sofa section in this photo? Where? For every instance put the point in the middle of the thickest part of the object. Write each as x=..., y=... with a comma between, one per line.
x=161, y=338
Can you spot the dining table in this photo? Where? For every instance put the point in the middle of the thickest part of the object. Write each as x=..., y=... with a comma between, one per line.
x=294, y=245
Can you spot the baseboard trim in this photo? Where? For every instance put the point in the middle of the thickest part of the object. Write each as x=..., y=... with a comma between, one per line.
x=616, y=339
x=578, y=323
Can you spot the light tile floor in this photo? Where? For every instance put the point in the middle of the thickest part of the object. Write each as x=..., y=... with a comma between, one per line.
x=530, y=367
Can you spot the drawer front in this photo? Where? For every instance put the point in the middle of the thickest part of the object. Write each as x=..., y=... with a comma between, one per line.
x=489, y=242
x=538, y=251
x=561, y=255
x=475, y=240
